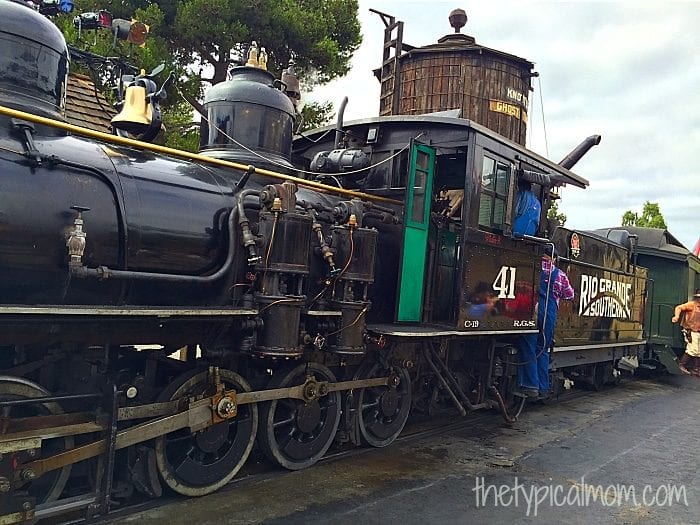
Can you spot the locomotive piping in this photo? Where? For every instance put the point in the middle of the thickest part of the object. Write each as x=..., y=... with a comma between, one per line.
x=102, y=272
x=339, y=124
x=123, y=141
x=244, y=223
x=579, y=151
x=55, y=161
x=504, y=411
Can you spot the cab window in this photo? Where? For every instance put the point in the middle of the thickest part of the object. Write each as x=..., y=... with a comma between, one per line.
x=493, y=198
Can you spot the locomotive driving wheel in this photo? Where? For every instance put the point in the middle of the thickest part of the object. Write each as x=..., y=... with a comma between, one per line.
x=295, y=433
x=195, y=464
x=49, y=486
x=383, y=410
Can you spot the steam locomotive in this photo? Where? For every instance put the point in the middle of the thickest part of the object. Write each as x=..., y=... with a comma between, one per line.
x=162, y=313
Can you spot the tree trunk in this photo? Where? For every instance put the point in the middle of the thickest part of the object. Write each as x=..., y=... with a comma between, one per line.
x=220, y=72
x=194, y=103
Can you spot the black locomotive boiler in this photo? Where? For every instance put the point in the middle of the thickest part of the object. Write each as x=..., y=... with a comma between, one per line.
x=162, y=313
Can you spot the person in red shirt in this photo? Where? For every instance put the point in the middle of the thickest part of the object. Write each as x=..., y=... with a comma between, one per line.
x=691, y=325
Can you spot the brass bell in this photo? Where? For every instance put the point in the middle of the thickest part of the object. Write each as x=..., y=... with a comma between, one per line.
x=135, y=116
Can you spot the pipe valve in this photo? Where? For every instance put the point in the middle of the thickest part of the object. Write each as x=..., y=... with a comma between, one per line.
x=77, y=238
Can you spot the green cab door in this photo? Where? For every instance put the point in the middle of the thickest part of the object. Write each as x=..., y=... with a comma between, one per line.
x=415, y=239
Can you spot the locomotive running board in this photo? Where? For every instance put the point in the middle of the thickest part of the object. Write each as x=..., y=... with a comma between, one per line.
x=420, y=331
x=124, y=311
x=598, y=345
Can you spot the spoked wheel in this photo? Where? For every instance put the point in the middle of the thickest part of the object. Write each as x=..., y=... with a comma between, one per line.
x=49, y=486
x=514, y=405
x=296, y=434
x=195, y=464
x=383, y=410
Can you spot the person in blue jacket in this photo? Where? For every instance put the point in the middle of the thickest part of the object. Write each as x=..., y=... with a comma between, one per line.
x=527, y=211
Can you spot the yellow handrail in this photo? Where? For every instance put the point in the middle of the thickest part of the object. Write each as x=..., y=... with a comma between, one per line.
x=124, y=141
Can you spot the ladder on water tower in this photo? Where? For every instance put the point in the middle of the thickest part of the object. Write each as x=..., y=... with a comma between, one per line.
x=389, y=74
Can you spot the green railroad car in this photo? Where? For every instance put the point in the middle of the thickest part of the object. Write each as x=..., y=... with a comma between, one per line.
x=674, y=273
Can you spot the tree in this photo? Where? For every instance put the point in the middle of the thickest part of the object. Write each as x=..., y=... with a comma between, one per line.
x=211, y=35
x=315, y=115
x=201, y=39
x=650, y=217
x=320, y=35
x=554, y=214
x=97, y=44
x=101, y=43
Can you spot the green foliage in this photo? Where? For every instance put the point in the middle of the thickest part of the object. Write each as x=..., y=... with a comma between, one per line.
x=101, y=42
x=629, y=218
x=315, y=114
x=180, y=131
x=177, y=114
x=320, y=35
x=650, y=217
x=199, y=40
x=554, y=214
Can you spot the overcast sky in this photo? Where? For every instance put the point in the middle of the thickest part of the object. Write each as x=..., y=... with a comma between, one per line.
x=629, y=71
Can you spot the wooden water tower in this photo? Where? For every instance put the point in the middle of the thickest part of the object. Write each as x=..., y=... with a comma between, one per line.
x=478, y=83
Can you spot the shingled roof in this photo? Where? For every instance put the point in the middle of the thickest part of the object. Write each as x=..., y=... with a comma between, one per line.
x=84, y=108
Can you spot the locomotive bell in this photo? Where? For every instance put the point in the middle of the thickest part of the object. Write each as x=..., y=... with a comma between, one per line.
x=136, y=115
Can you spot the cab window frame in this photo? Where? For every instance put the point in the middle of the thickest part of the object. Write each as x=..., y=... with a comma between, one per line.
x=495, y=188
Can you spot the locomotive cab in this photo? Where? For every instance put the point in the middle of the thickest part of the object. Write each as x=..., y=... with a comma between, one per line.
x=458, y=262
